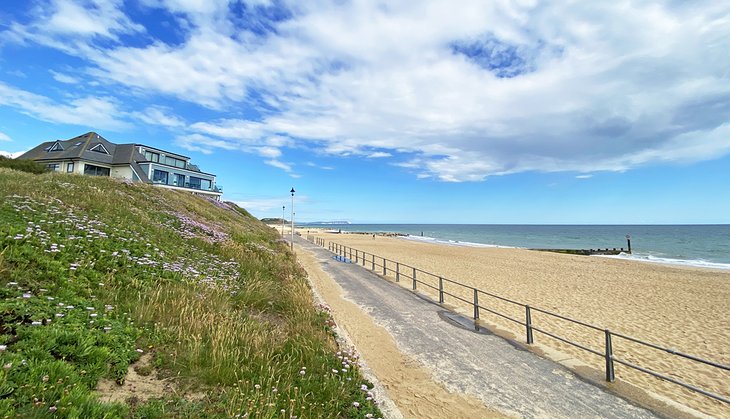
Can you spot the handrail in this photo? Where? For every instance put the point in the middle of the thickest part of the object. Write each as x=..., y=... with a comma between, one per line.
x=607, y=355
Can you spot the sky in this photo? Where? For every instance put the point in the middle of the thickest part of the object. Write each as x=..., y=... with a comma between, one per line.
x=432, y=111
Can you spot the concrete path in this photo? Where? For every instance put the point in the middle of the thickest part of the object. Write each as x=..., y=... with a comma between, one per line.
x=480, y=364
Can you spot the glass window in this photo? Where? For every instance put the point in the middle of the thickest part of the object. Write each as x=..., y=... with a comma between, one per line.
x=195, y=182
x=90, y=169
x=70, y=167
x=180, y=163
x=152, y=156
x=205, y=184
x=159, y=176
x=99, y=148
x=180, y=180
x=52, y=166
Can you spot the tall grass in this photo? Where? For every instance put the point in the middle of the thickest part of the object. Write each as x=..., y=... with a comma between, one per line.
x=94, y=272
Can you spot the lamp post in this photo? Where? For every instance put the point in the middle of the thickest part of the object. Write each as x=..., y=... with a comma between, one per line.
x=292, y=218
x=282, y=220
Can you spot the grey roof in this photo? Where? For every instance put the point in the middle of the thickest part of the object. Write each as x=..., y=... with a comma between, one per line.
x=75, y=148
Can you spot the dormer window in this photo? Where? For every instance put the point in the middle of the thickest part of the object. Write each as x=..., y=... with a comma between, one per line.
x=56, y=147
x=99, y=148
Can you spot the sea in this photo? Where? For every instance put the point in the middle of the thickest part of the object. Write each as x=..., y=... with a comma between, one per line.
x=706, y=246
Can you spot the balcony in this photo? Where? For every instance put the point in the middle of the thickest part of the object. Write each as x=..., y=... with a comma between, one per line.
x=214, y=188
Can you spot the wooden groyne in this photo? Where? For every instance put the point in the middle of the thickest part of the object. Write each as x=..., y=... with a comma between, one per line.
x=587, y=252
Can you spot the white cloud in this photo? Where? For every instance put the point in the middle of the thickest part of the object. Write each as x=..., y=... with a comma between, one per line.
x=378, y=155
x=101, y=112
x=4, y=137
x=86, y=18
x=461, y=93
x=280, y=165
x=155, y=115
x=584, y=176
x=64, y=78
x=12, y=155
x=264, y=204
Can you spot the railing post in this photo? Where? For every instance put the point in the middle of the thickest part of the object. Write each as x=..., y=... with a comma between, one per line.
x=610, y=374
x=528, y=324
x=385, y=271
x=476, y=304
x=441, y=290
x=351, y=254
x=414, y=279
x=373, y=269
x=356, y=259
x=397, y=272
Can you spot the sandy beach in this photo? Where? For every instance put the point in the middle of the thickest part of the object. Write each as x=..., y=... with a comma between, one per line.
x=682, y=308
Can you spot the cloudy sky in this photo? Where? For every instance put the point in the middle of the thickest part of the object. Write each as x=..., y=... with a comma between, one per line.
x=399, y=111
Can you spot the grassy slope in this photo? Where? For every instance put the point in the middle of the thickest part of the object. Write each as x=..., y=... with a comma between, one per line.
x=94, y=271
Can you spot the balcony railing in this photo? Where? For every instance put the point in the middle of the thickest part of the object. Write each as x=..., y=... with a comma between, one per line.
x=187, y=185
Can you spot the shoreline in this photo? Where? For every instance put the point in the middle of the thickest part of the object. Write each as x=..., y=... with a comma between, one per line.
x=635, y=257
x=675, y=306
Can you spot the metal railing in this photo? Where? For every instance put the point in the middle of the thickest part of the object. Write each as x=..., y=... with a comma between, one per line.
x=381, y=265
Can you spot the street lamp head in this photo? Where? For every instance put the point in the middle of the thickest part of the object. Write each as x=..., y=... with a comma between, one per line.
x=292, y=191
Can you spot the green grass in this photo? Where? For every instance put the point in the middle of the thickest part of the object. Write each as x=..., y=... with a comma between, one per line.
x=94, y=272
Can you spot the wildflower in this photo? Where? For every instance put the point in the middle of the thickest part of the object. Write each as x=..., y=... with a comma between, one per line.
x=8, y=365
x=52, y=409
x=107, y=329
x=139, y=350
x=36, y=323
x=60, y=314
x=27, y=295
x=302, y=372
x=364, y=387
x=356, y=404
x=334, y=371
x=3, y=347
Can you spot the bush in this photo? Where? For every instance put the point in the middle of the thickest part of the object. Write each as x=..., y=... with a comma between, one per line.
x=22, y=165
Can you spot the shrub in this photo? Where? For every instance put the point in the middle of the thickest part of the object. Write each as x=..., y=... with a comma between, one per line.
x=22, y=165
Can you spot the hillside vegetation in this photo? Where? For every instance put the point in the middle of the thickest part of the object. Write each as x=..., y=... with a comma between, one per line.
x=97, y=273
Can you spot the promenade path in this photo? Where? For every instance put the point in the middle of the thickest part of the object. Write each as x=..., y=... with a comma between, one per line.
x=502, y=375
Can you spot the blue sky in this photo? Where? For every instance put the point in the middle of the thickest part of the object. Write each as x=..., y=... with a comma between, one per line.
x=431, y=111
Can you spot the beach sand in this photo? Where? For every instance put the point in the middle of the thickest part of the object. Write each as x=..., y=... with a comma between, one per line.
x=682, y=308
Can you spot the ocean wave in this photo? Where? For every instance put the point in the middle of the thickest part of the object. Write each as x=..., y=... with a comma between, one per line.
x=695, y=263
x=427, y=239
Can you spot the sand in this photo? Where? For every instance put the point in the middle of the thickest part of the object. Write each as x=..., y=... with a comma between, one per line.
x=408, y=385
x=682, y=308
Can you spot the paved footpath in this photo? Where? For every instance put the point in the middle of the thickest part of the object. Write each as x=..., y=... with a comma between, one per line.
x=502, y=375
